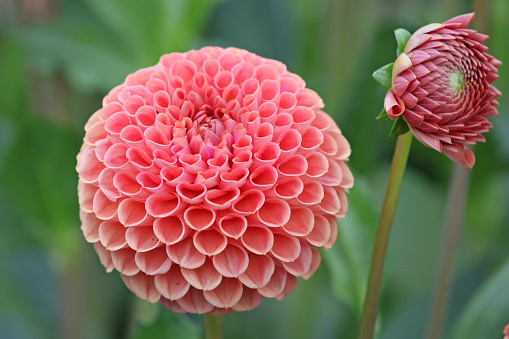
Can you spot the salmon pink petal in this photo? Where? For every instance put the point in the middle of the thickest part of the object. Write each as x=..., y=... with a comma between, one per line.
x=258, y=240
x=320, y=233
x=141, y=238
x=276, y=283
x=172, y=285
x=191, y=193
x=233, y=225
x=124, y=261
x=258, y=272
x=250, y=299
x=132, y=212
x=274, y=213
x=291, y=283
x=301, y=222
x=312, y=193
x=221, y=199
x=205, y=277
x=199, y=218
x=195, y=302
x=104, y=256
x=103, y=207
x=185, y=254
x=170, y=230
x=227, y=294
x=90, y=226
x=112, y=235
x=209, y=241
x=302, y=264
x=248, y=202
x=315, y=263
x=153, y=262
x=143, y=286
x=161, y=204
x=231, y=262
x=286, y=248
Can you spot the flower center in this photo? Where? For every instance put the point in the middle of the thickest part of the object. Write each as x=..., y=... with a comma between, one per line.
x=456, y=81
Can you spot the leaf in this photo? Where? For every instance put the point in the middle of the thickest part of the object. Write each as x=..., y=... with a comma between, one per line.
x=487, y=313
x=384, y=75
x=402, y=36
x=169, y=325
x=399, y=127
x=383, y=115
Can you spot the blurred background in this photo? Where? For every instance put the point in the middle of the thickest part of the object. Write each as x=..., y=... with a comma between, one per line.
x=58, y=58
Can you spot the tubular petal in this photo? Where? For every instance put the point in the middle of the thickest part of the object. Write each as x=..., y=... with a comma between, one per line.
x=231, y=262
x=185, y=254
x=285, y=248
x=258, y=272
x=153, y=262
x=205, y=277
x=209, y=241
x=172, y=284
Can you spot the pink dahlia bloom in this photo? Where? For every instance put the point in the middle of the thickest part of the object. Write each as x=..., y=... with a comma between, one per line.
x=441, y=85
x=209, y=180
x=506, y=332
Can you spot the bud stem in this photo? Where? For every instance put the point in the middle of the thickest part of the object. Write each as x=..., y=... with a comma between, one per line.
x=213, y=326
x=370, y=309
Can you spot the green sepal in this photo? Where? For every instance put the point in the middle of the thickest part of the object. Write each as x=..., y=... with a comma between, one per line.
x=400, y=127
x=402, y=36
x=383, y=115
x=383, y=75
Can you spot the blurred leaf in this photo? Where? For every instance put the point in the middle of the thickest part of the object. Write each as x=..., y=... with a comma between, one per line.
x=488, y=312
x=399, y=127
x=13, y=96
x=38, y=176
x=383, y=115
x=402, y=36
x=84, y=53
x=349, y=259
x=383, y=75
x=169, y=325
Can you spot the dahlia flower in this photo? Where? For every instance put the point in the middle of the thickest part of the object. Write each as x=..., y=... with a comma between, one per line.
x=442, y=87
x=506, y=332
x=210, y=179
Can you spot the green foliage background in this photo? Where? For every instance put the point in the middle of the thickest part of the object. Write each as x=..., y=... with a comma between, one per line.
x=59, y=58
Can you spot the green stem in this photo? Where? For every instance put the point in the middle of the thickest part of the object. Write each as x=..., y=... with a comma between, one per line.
x=456, y=203
x=213, y=326
x=370, y=310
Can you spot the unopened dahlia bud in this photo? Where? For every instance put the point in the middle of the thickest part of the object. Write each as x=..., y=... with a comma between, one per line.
x=442, y=87
x=210, y=179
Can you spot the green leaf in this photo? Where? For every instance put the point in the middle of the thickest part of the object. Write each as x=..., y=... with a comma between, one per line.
x=402, y=36
x=399, y=127
x=169, y=325
x=384, y=75
x=486, y=314
x=383, y=115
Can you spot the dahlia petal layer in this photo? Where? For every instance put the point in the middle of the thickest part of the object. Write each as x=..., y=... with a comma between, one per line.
x=210, y=179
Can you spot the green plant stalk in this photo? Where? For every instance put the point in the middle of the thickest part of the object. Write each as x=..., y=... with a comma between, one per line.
x=456, y=203
x=213, y=326
x=370, y=309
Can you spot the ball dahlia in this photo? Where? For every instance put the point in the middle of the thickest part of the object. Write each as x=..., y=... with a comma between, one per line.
x=442, y=87
x=209, y=180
